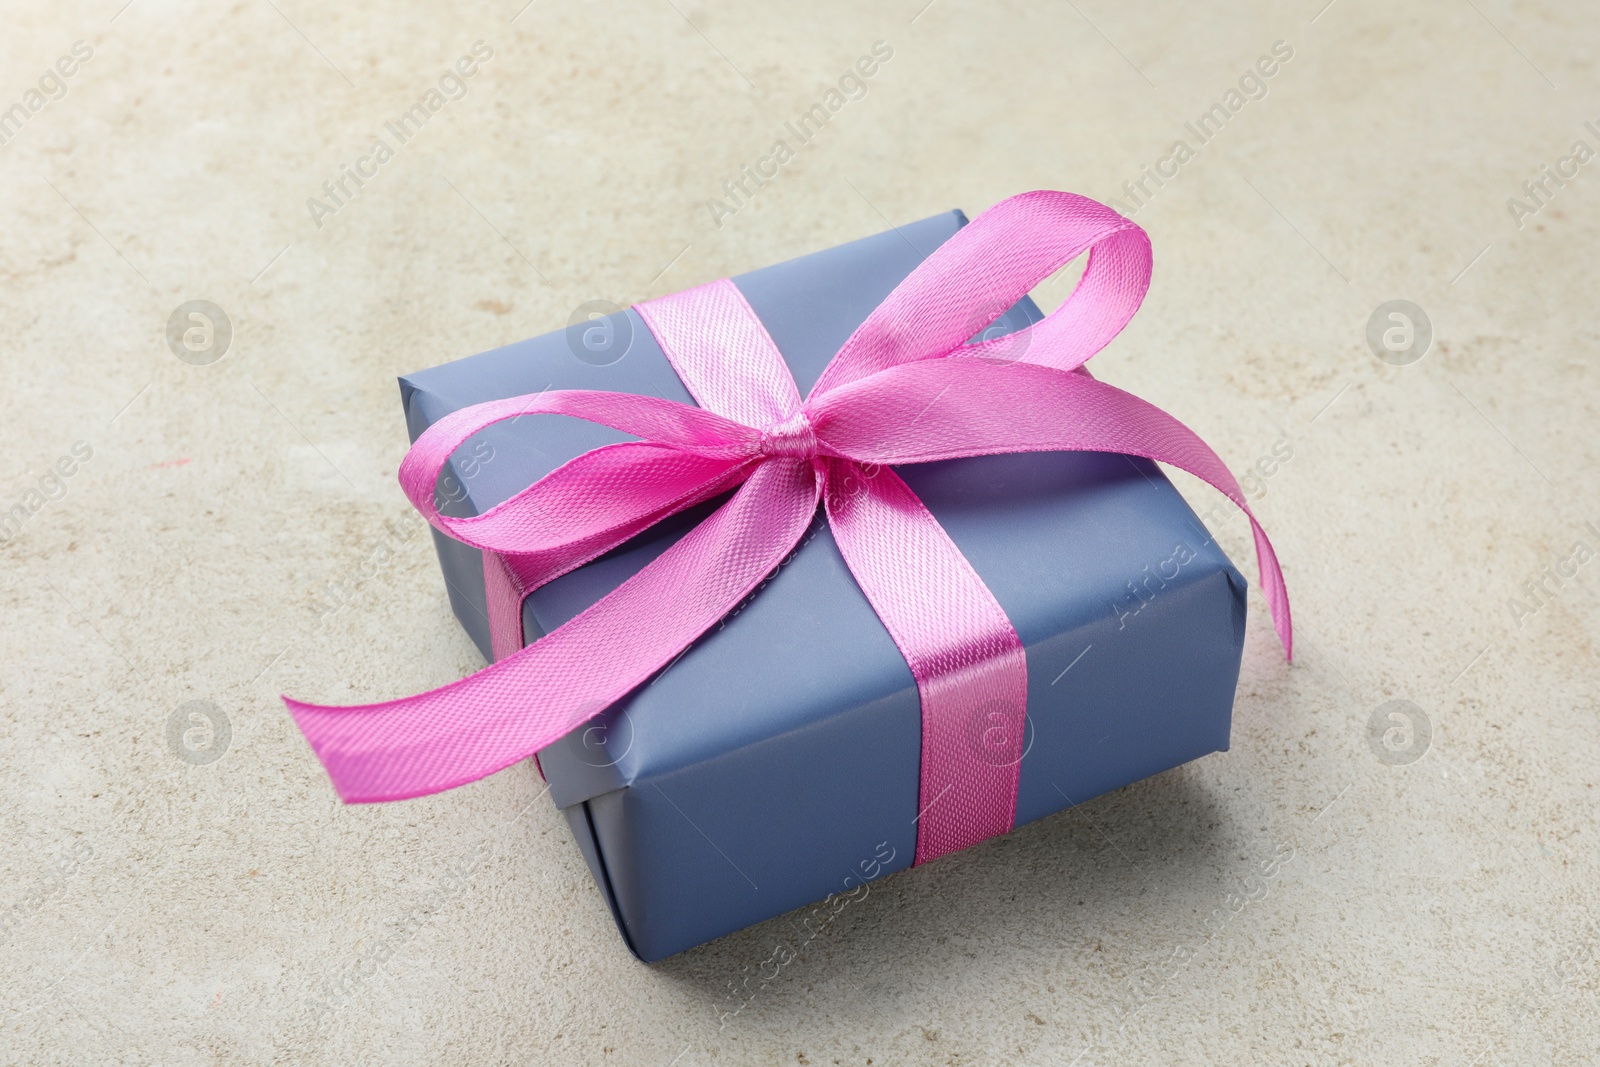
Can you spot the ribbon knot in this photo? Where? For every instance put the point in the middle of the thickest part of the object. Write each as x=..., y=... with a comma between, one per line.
x=906, y=387
x=793, y=438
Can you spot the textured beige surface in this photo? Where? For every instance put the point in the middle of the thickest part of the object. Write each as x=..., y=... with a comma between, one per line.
x=163, y=910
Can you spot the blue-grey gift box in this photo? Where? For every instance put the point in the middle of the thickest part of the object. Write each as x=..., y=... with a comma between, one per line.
x=776, y=761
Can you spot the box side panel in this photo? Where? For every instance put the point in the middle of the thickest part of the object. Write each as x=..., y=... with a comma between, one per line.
x=729, y=842
x=1109, y=706
x=581, y=822
x=1130, y=612
x=734, y=840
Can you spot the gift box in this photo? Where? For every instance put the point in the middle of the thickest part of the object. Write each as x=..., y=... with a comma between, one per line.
x=776, y=760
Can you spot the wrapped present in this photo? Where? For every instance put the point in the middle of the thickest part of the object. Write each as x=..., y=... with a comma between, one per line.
x=766, y=650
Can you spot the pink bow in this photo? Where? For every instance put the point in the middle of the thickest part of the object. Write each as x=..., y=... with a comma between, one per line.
x=905, y=388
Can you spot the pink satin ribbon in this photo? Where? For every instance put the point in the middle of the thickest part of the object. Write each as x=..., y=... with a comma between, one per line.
x=905, y=388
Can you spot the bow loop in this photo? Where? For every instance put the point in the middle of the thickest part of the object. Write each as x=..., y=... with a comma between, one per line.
x=597, y=500
x=970, y=280
x=726, y=358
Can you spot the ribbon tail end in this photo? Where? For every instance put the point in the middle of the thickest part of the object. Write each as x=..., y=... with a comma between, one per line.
x=313, y=721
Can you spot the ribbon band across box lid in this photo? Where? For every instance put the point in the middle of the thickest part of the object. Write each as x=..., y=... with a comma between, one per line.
x=1006, y=610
